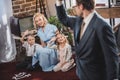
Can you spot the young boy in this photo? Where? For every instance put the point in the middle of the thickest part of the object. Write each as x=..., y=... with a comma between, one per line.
x=30, y=47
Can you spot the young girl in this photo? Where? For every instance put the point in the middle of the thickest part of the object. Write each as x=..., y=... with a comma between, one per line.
x=64, y=54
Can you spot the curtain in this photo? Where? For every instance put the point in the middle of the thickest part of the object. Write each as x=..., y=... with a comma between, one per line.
x=7, y=43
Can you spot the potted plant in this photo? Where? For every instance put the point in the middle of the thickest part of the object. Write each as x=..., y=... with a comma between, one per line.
x=65, y=30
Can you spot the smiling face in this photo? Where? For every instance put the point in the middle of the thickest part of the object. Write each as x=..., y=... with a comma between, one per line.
x=39, y=21
x=61, y=39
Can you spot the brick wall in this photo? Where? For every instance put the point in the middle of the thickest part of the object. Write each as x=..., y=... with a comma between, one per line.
x=23, y=8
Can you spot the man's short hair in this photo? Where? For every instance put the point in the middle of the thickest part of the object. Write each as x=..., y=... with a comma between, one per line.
x=87, y=4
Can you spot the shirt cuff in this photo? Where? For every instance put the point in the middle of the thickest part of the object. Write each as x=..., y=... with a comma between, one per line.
x=58, y=3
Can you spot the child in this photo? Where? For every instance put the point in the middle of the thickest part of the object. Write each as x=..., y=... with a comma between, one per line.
x=30, y=47
x=64, y=54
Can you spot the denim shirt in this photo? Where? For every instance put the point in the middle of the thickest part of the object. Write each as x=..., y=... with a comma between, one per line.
x=49, y=32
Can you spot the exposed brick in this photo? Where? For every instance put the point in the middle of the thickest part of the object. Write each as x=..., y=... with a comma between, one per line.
x=33, y=7
x=16, y=7
x=26, y=5
x=29, y=0
x=20, y=15
x=22, y=10
x=15, y=11
x=15, y=15
x=19, y=2
x=28, y=8
x=34, y=3
x=32, y=11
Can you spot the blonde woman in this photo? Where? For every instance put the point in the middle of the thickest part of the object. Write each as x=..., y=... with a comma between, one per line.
x=46, y=56
x=45, y=31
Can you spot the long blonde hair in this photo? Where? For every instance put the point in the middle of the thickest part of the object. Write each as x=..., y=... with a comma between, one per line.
x=66, y=40
x=38, y=15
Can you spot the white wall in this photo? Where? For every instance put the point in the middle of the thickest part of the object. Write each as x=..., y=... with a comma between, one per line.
x=51, y=7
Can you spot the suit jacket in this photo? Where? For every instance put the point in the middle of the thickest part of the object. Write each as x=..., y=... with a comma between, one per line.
x=96, y=52
x=117, y=35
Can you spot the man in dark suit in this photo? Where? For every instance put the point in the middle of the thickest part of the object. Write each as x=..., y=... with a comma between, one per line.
x=95, y=45
x=117, y=35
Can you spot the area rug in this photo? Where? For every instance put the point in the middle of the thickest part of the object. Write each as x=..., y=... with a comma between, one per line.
x=8, y=71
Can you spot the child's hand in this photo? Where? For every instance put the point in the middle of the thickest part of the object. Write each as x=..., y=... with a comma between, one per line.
x=33, y=31
x=53, y=39
x=26, y=32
